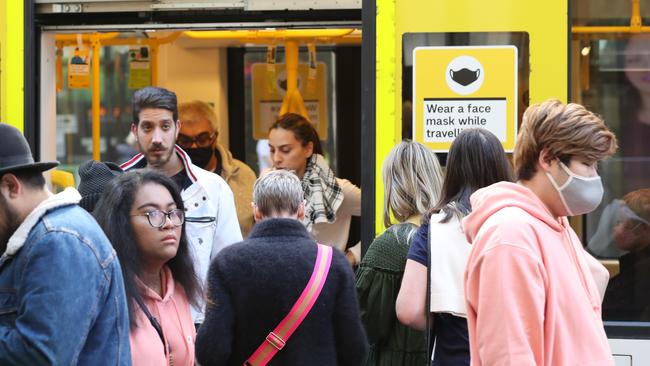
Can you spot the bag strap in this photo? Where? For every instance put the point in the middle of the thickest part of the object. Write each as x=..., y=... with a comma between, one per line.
x=276, y=340
x=154, y=323
x=430, y=324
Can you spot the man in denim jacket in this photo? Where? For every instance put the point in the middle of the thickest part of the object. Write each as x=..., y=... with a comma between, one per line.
x=62, y=296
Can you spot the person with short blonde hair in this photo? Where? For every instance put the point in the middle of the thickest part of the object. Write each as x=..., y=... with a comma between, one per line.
x=528, y=278
x=412, y=181
x=199, y=137
x=412, y=184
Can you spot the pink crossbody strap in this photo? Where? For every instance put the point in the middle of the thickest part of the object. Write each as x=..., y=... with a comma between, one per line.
x=276, y=340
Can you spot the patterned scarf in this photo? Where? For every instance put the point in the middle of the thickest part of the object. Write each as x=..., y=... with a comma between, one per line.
x=322, y=192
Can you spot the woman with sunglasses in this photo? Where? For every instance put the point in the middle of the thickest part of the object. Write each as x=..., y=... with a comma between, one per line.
x=142, y=214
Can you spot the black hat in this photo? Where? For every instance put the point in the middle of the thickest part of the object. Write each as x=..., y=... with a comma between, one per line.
x=93, y=178
x=15, y=153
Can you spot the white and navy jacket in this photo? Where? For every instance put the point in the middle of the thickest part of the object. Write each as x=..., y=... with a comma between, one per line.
x=213, y=225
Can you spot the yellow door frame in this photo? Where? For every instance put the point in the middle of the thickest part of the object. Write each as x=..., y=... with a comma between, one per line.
x=12, y=63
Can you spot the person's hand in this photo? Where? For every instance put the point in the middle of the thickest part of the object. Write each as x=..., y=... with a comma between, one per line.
x=351, y=258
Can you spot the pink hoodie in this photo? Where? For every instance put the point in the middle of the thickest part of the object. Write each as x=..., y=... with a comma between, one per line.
x=173, y=313
x=532, y=292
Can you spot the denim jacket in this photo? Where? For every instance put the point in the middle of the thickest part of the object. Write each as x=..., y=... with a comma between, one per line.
x=62, y=298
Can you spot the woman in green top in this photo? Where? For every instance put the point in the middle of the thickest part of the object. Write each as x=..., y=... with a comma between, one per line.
x=412, y=183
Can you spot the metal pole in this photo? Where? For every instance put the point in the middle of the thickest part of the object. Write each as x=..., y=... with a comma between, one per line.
x=96, y=47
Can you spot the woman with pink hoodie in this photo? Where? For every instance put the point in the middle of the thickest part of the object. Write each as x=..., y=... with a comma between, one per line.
x=143, y=216
x=533, y=294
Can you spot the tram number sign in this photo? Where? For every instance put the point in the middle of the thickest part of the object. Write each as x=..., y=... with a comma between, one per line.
x=456, y=88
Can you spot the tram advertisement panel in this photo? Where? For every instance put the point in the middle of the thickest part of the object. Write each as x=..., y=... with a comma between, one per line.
x=79, y=69
x=269, y=90
x=456, y=88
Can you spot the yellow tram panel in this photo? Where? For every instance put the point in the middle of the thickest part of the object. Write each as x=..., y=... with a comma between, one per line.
x=545, y=22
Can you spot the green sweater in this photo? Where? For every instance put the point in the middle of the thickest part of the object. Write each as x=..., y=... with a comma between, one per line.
x=378, y=281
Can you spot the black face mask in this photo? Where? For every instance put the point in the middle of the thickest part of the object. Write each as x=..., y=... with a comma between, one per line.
x=200, y=156
x=464, y=76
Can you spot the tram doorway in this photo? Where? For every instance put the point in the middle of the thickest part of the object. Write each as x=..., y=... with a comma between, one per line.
x=225, y=64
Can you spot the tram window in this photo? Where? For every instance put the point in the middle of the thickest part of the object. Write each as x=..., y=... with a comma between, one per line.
x=614, y=80
x=412, y=40
x=74, y=116
x=257, y=146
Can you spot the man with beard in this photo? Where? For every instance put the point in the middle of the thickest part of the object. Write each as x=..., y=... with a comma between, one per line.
x=211, y=218
x=62, y=296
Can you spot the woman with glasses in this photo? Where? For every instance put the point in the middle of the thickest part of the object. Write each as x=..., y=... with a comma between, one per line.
x=143, y=216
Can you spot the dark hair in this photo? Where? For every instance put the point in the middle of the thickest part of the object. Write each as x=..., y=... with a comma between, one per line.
x=476, y=159
x=301, y=128
x=154, y=97
x=31, y=178
x=113, y=215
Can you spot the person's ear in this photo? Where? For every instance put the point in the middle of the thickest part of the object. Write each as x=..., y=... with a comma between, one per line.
x=257, y=214
x=178, y=129
x=10, y=186
x=545, y=161
x=310, y=148
x=300, y=213
x=134, y=130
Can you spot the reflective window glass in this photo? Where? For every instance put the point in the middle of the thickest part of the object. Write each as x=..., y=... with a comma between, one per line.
x=612, y=77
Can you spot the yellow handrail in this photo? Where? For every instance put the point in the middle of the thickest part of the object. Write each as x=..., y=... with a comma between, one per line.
x=636, y=25
x=264, y=35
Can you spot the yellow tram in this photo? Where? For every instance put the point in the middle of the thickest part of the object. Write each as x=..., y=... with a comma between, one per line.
x=362, y=91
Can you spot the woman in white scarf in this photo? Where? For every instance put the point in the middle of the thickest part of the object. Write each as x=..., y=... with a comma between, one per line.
x=331, y=202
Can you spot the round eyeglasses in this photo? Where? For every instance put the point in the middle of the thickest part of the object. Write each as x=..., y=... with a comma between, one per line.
x=204, y=139
x=157, y=218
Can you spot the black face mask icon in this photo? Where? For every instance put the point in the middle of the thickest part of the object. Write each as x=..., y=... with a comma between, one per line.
x=464, y=76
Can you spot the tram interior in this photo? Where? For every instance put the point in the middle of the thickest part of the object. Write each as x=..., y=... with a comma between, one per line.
x=241, y=74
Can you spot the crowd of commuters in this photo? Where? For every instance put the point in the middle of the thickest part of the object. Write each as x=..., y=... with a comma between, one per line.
x=473, y=268
x=440, y=249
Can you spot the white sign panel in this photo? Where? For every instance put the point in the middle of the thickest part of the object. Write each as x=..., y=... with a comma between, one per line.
x=445, y=118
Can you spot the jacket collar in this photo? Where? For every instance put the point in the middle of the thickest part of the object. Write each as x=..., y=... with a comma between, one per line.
x=279, y=227
x=228, y=167
x=69, y=196
x=139, y=161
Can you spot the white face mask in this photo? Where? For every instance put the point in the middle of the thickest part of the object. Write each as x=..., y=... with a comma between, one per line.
x=579, y=194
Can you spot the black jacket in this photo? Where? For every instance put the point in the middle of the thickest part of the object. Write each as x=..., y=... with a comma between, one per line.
x=252, y=285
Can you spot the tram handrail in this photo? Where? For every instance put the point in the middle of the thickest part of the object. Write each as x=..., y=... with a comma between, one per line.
x=636, y=24
x=264, y=35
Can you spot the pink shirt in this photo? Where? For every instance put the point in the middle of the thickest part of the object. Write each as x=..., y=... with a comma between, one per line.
x=173, y=313
x=533, y=295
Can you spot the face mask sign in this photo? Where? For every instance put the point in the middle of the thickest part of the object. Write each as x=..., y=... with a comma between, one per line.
x=464, y=76
x=580, y=195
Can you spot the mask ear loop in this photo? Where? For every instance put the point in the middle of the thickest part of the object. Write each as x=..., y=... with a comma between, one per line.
x=559, y=189
x=574, y=175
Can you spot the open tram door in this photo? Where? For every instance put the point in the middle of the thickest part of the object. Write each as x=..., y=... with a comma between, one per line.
x=418, y=47
x=211, y=51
